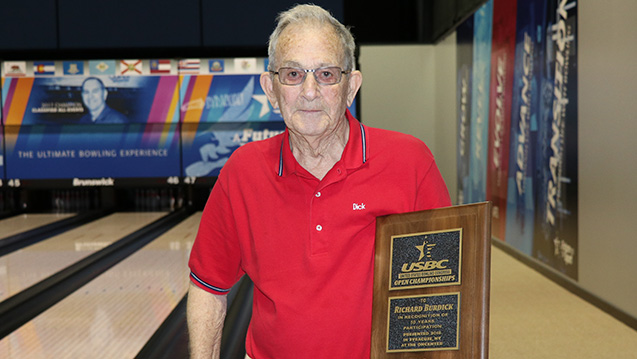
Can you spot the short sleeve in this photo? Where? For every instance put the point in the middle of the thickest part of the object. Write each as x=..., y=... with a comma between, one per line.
x=215, y=259
x=432, y=190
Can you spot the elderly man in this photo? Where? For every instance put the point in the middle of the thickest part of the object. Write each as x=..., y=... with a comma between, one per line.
x=297, y=212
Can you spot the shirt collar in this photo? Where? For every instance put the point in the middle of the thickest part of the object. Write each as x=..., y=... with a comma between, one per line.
x=355, y=154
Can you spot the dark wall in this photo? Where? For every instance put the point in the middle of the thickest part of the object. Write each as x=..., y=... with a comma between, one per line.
x=249, y=22
x=28, y=24
x=406, y=21
x=131, y=24
x=56, y=29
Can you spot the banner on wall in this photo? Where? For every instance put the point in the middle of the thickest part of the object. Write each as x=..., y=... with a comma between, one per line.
x=228, y=98
x=77, y=151
x=555, y=239
x=223, y=107
x=2, y=167
x=91, y=119
x=464, y=63
x=480, y=102
x=501, y=86
x=77, y=94
x=207, y=146
x=529, y=55
x=136, y=91
x=2, y=171
x=532, y=143
x=123, y=118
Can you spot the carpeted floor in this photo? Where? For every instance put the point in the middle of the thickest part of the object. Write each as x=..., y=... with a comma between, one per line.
x=532, y=317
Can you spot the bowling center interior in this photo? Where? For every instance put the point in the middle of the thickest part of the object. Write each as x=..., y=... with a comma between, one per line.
x=526, y=105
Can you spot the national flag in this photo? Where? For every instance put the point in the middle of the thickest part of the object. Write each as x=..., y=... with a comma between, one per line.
x=215, y=66
x=130, y=67
x=189, y=66
x=15, y=68
x=245, y=65
x=102, y=67
x=43, y=68
x=160, y=66
x=73, y=67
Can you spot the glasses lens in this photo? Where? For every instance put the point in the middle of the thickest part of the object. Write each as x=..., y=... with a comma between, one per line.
x=323, y=75
x=328, y=75
x=291, y=76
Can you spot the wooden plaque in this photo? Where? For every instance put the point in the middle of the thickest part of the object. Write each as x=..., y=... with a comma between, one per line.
x=431, y=284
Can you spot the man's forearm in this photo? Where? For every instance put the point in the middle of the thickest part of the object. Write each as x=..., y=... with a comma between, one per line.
x=205, y=313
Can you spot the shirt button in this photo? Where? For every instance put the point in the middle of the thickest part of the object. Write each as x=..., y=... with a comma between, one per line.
x=319, y=228
x=318, y=194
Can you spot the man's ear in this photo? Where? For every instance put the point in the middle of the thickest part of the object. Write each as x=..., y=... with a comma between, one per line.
x=268, y=87
x=354, y=84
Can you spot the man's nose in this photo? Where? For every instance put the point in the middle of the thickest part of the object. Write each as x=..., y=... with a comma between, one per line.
x=310, y=87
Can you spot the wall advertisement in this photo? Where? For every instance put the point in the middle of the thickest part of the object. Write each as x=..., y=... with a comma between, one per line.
x=531, y=173
x=130, y=118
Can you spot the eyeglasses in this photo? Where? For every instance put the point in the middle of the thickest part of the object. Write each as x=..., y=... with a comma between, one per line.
x=292, y=76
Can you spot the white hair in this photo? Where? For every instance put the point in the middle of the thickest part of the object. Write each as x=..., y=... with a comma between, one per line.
x=302, y=14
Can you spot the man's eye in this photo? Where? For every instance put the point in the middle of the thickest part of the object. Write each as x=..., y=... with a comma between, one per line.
x=293, y=74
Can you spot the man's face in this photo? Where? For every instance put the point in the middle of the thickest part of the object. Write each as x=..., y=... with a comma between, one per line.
x=310, y=109
x=93, y=95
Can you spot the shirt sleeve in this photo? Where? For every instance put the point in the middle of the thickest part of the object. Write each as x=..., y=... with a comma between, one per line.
x=432, y=190
x=215, y=259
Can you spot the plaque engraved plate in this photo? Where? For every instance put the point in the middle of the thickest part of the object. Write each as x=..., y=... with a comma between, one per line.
x=423, y=322
x=431, y=284
x=427, y=259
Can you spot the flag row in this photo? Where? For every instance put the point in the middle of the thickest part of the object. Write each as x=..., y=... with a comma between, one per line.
x=135, y=67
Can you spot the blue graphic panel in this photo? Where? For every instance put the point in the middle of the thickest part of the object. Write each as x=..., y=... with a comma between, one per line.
x=77, y=151
x=529, y=54
x=207, y=147
x=480, y=102
x=464, y=63
x=555, y=240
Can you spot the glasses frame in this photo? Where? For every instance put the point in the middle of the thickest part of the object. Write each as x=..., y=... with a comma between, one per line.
x=313, y=71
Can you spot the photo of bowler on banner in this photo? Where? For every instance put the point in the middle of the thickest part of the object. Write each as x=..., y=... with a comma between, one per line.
x=93, y=99
x=90, y=122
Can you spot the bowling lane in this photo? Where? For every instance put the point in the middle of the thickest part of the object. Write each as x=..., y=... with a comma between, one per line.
x=114, y=315
x=26, y=222
x=25, y=267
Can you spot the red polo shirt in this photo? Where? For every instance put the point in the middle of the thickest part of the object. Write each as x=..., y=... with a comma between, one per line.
x=308, y=244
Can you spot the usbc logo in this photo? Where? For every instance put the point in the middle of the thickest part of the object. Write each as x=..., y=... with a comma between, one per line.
x=422, y=266
x=425, y=259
